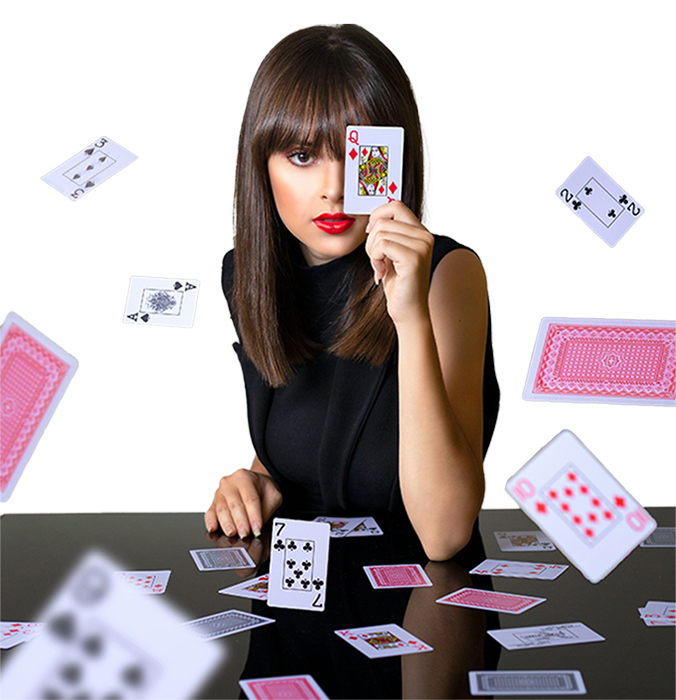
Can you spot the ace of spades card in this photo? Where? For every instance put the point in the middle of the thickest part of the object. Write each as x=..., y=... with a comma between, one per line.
x=299, y=558
x=156, y=301
x=373, y=167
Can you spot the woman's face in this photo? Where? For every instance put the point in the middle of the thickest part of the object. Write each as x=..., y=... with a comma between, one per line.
x=308, y=193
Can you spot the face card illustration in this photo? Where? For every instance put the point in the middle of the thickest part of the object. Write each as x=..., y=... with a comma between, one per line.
x=594, y=521
x=491, y=600
x=222, y=558
x=524, y=540
x=590, y=360
x=13, y=633
x=89, y=168
x=373, y=167
x=397, y=576
x=101, y=640
x=225, y=623
x=379, y=641
x=304, y=686
x=150, y=582
x=156, y=301
x=299, y=558
x=350, y=527
x=255, y=589
x=545, y=636
x=599, y=201
x=34, y=375
x=519, y=569
x=526, y=683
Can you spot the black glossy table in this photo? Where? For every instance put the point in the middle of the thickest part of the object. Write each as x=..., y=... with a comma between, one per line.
x=635, y=661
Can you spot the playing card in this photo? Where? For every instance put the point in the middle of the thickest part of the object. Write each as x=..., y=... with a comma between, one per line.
x=522, y=540
x=255, y=588
x=591, y=360
x=491, y=600
x=350, y=527
x=222, y=558
x=101, y=640
x=154, y=582
x=299, y=558
x=658, y=613
x=519, y=569
x=89, y=168
x=34, y=375
x=13, y=633
x=526, y=683
x=157, y=301
x=599, y=201
x=545, y=636
x=225, y=623
x=379, y=641
x=661, y=537
x=397, y=576
x=291, y=687
x=373, y=167
x=594, y=521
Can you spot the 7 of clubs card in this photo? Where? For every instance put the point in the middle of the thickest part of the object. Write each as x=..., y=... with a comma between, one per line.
x=299, y=558
x=374, y=158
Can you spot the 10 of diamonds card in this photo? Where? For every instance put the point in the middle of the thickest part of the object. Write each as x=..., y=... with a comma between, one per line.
x=592, y=360
x=592, y=519
x=157, y=301
x=599, y=201
x=374, y=157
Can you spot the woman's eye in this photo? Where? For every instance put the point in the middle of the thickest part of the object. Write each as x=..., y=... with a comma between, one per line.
x=301, y=158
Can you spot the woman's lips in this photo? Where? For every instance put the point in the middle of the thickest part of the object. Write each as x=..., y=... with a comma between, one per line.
x=333, y=223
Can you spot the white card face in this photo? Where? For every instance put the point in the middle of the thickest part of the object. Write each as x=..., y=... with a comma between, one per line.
x=599, y=201
x=220, y=559
x=526, y=683
x=13, y=633
x=545, y=636
x=350, y=527
x=578, y=503
x=658, y=613
x=524, y=541
x=255, y=588
x=150, y=582
x=373, y=167
x=299, y=558
x=89, y=168
x=379, y=641
x=225, y=623
x=159, y=301
x=519, y=569
x=101, y=640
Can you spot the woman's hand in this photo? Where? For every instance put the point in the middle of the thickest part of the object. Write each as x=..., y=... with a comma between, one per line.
x=400, y=249
x=243, y=502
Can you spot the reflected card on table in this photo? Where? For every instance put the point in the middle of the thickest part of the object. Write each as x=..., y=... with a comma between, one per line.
x=524, y=540
x=152, y=582
x=34, y=375
x=545, y=636
x=102, y=640
x=159, y=301
x=594, y=521
x=374, y=158
x=224, y=624
x=491, y=600
x=526, y=683
x=599, y=201
x=350, y=527
x=299, y=559
x=222, y=558
x=591, y=360
x=255, y=588
x=291, y=687
x=519, y=569
x=13, y=633
x=378, y=641
x=397, y=576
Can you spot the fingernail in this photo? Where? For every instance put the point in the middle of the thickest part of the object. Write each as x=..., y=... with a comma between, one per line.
x=256, y=530
x=368, y=227
x=243, y=533
x=230, y=531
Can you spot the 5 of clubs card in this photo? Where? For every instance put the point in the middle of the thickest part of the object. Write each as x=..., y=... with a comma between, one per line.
x=299, y=558
x=373, y=167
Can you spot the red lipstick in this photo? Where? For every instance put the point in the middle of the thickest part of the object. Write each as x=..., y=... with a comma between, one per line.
x=333, y=223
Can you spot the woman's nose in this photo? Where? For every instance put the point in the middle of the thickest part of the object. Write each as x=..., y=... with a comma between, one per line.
x=333, y=178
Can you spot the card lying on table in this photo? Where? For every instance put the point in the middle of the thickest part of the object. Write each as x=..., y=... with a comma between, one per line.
x=350, y=527
x=379, y=641
x=89, y=168
x=220, y=559
x=152, y=582
x=594, y=521
x=545, y=636
x=373, y=167
x=224, y=624
x=526, y=683
x=491, y=600
x=661, y=537
x=255, y=588
x=519, y=569
x=13, y=633
x=34, y=375
x=299, y=560
x=523, y=540
x=658, y=613
x=101, y=640
x=397, y=576
x=156, y=301
x=290, y=687
x=603, y=361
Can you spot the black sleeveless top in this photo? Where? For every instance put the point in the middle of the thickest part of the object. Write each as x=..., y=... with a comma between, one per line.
x=330, y=437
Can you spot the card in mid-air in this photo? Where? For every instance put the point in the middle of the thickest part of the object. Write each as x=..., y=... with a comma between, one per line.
x=158, y=301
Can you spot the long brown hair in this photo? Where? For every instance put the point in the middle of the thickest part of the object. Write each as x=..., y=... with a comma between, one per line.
x=309, y=87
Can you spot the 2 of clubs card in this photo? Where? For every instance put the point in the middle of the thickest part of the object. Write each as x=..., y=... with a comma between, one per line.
x=373, y=167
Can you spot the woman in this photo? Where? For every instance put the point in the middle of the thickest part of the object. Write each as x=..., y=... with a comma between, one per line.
x=364, y=340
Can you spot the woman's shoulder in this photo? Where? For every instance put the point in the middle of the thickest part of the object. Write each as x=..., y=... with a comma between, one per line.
x=228, y=274
x=443, y=245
